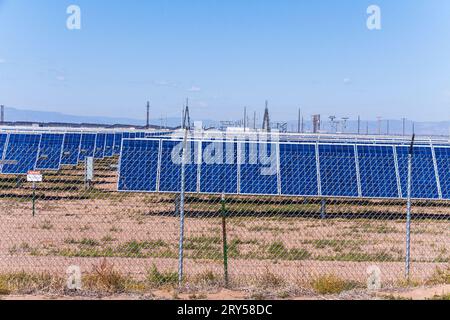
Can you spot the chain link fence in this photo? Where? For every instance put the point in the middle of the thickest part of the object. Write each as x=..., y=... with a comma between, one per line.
x=237, y=239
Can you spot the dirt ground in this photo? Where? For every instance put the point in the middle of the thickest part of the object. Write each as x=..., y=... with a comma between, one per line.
x=422, y=293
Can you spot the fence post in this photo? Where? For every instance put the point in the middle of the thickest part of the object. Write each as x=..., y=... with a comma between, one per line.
x=323, y=209
x=408, y=212
x=34, y=199
x=224, y=236
x=181, y=209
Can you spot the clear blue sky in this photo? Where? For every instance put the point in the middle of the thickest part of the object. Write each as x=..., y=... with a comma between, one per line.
x=227, y=54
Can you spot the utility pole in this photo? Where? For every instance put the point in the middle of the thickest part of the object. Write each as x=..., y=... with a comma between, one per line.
x=2, y=116
x=387, y=126
x=245, y=119
x=359, y=125
x=299, y=120
x=379, y=125
x=344, y=124
x=254, y=120
x=148, y=115
x=403, y=126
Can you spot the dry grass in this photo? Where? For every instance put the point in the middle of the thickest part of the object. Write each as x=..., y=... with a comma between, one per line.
x=27, y=283
x=440, y=276
x=156, y=278
x=269, y=280
x=103, y=278
x=331, y=284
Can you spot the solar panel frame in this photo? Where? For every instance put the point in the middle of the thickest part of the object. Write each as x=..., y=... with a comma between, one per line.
x=191, y=169
x=150, y=143
x=243, y=167
x=30, y=150
x=109, y=145
x=331, y=178
x=442, y=158
x=291, y=172
x=87, y=148
x=100, y=142
x=3, y=143
x=72, y=147
x=48, y=165
x=402, y=158
x=225, y=168
x=374, y=174
x=117, y=143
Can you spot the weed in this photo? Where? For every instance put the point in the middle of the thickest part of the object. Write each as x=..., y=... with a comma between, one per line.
x=158, y=278
x=105, y=279
x=331, y=284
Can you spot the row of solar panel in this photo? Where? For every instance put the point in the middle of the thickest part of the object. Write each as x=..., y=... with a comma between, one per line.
x=332, y=170
x=21, y=152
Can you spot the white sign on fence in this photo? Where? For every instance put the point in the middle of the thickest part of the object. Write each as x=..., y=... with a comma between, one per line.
x=34, y=176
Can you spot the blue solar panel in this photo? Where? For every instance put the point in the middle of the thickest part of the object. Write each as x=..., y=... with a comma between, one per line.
x=3, y=140
x=71, y=149
x=109, y=145
x=253, y=168
x=338, y=170
x=138, y=165
x=423, y=176
x=377, y=172
x=50, y=151
x=443, y=166
x=219, y=170
x=21, y=153
x=117, y=143
x=87, y=146
x=258, y=168
x=100, y=142
x=298, y=170
x=170, y=176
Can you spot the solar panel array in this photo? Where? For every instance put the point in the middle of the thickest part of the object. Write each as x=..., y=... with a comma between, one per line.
x=22, y=151
x=286, y=169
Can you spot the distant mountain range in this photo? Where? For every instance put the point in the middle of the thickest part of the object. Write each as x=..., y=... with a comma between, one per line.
x=20, y=115
x=373, y=127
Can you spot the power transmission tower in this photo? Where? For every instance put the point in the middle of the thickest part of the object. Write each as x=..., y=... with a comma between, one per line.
x=266, y=121
x=187, y=117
